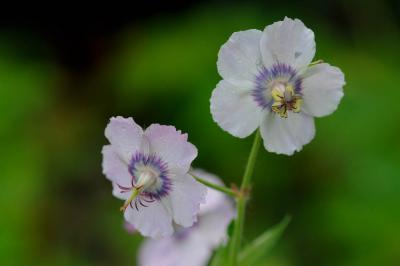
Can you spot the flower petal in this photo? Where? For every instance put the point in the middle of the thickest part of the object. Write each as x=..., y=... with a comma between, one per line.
x=287, y=135
x=214, y=197
x=322, y=89
x=116, y=170
x=174, y=252
x=239, y=57
x=172, y=146
x=215, y=215
x=235, y=110
x=213, y=225
x=118, y=193
x=152, y=221
x=186, y=196
x=289, y=42
x=125, y=136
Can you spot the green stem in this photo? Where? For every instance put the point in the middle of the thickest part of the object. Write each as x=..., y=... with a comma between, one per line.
x=223, y=189
x=235, y=242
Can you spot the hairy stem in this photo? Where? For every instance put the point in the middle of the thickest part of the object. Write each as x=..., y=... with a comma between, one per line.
x=236, y=239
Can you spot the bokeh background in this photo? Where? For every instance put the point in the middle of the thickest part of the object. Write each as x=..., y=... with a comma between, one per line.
x=64, y=73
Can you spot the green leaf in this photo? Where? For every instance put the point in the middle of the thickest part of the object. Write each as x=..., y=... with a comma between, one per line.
x=262, y=244
x=219, y=258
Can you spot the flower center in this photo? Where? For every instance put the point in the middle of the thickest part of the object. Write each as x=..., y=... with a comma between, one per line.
x=278, y=89
x=285, y=99
x=150, y=175
x=147, y=180
x=150, y=180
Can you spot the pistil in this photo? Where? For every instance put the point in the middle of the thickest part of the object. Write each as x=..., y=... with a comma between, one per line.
x=145, y=181
x=135, y=193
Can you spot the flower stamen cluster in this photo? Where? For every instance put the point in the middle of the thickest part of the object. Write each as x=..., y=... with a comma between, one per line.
x=285, y=99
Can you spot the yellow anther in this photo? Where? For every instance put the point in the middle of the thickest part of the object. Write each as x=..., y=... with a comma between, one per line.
x=285, y=99
x=289, y=89
x=297, y=102
x=280, y=109
x=277, y=95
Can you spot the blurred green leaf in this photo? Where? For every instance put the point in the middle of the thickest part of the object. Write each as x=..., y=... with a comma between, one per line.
x=219, y=257
x=262, y=244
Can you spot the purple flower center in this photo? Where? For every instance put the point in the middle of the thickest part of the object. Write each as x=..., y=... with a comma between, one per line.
x=153, y=165
x=150, y=177
x=278, y=89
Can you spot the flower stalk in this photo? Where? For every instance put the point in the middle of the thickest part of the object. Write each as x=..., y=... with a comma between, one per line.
x=316, y=63
x=222, y=189
x=236, y=239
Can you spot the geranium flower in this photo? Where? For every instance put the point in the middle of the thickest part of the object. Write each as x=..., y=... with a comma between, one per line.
x=270, y=83
x=149, y=170
x=193, y=246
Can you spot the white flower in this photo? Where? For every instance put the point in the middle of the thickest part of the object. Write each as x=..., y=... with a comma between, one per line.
x=268, y=83
x=193, y=246
x=149, y=170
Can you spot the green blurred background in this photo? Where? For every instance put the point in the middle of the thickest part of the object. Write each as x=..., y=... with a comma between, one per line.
x=63, y=75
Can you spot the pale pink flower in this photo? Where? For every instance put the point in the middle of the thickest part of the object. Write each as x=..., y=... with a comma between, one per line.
x=149, y=170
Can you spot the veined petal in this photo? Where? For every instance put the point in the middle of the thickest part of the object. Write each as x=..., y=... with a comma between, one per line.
x=186, y=196
x=116, y=170
x=239, y=58
x=152, y=221
x=125, y=136
x=235, y=110
x=289, y=42
x=172, y=146
x=322, y=89
x=287, y=135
